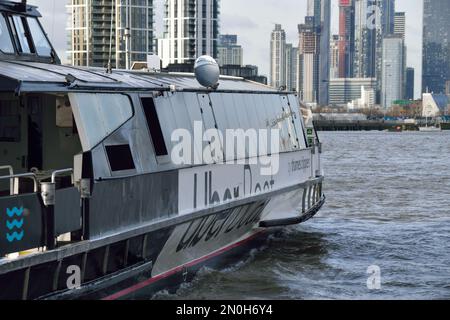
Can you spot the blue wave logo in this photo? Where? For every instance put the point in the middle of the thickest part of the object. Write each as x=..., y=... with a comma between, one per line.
x=15, y=236
x=15, y=224
x=14, y=212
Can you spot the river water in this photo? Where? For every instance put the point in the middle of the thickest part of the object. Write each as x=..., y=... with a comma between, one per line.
x=388, y=206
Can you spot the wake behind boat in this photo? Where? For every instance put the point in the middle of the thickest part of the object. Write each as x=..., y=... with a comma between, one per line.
x=92, y=203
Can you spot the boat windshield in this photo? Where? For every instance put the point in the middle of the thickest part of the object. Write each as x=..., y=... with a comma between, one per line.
x=40, y=41
x=6, y=44
x=24, y=35
x=20, y=31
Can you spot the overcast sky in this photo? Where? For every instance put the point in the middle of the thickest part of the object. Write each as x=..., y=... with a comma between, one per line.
x=252, y=21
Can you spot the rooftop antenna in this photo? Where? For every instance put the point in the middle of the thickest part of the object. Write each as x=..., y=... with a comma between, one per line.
x=109, y=66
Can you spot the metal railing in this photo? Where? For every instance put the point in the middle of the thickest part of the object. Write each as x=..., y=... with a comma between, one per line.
x=60, y=173
x=15, y=177
x=48, y=194
x=312, y=195
x=30, y=175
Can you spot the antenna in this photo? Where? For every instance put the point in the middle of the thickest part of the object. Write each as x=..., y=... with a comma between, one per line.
x=109, y=66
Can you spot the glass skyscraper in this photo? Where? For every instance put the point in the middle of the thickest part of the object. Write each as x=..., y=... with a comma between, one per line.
x=365, y=39
x=321, y=11
x=383, y=28
x=346, y=37
x=392, y=70
x=436, y=45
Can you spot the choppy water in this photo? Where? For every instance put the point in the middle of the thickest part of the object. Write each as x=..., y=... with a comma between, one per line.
x=388, y=204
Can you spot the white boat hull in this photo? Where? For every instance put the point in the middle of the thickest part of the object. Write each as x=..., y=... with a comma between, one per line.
x=430, y=129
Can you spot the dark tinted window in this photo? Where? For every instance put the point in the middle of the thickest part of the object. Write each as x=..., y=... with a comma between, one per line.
x=120, y=157
x=154, y=126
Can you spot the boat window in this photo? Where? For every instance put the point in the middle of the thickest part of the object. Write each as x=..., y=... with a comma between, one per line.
x=21, y=33
x=98, y=115
x=120, y=157
x=40, y=40
x=6, y=44
x=154, y=126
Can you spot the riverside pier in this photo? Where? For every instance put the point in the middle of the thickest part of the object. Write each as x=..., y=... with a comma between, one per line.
x=360, y=122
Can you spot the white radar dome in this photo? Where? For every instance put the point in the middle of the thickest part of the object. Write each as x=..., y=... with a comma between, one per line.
x=207, y=71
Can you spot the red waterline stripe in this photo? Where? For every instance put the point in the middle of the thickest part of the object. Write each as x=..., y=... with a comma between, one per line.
x=169, y=273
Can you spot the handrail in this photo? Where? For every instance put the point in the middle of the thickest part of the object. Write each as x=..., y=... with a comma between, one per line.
x=29, y=175
x=63, y=172
x=11, y=182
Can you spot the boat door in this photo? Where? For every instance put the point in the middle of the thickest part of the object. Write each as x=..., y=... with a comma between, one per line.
x=13, y=135
x=209, y=122
x=296, y=120
x=34, y=132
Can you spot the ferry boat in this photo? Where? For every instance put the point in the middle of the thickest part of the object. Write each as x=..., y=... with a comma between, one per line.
x=92, y=205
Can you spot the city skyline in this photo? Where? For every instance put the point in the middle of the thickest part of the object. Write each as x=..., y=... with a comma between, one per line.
x=254, y=31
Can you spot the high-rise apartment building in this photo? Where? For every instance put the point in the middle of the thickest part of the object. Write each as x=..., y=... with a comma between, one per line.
x=321, y=11
x=191, y=29
x=436, y=45
x=385, y=17
x=291, y=67
x=400, y=30
x=366, y=19
x=91, y=42
x=392, y=70
x=278, y=57
x=346, y=37
x=387, y=12
x=228, y=51
x=400, y=24
x=334, y=57
x=308, y=61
